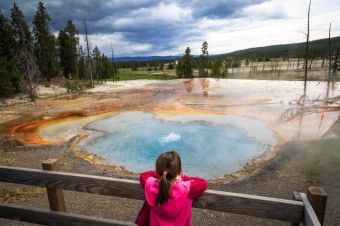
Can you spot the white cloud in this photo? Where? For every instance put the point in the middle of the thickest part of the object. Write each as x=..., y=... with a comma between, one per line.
x=120, y=46
x=270, y=9
x=169, y=12
x=167, y=27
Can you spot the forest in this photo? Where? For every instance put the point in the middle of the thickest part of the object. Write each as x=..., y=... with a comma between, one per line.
x=31, y=53
x=317, y=48
x=27, y=55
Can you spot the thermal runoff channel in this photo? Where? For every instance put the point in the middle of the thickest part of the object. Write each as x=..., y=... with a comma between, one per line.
x=209, y=146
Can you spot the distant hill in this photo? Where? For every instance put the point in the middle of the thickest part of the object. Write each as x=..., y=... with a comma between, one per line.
x=317, y=48
x=146, y=58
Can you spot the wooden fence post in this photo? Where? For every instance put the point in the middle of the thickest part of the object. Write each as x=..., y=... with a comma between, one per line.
x=318, y=200
x=55, y=196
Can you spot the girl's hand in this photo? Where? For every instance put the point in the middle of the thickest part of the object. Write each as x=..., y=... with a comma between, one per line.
x=178, y=178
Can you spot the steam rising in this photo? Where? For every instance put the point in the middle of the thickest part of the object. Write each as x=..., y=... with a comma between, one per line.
x=171, y=137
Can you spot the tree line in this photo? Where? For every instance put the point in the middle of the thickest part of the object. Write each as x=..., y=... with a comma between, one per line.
x=28, y=55
x=205, y=65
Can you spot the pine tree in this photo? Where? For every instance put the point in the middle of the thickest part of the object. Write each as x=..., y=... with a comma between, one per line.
x=185, y=65
x=45, y=50
x=203, y=59
x=105, y=67
x=64, y=55
x=68, y=55
x=9, y=71
x=96, y=55
x=188, y=63
x=102, y=66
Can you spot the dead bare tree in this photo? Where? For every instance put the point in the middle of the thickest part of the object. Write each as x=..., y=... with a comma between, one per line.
x=301, y=107
x=307, y=46
x=30, y=71
x=88, y=59
x=329, y=53
x=28, y=63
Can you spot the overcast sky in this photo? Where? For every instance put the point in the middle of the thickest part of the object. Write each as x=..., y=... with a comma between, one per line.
x=155, y=27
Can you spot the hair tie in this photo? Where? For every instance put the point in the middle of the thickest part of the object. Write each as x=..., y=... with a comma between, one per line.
x=165, y=173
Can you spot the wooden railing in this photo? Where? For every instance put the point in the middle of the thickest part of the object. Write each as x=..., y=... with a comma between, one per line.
x=303, y=210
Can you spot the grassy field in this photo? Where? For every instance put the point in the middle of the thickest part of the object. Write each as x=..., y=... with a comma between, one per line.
x=258, y=70
x=143, y=73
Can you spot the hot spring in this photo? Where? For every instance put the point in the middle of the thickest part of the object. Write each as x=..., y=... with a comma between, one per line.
x=210, y=146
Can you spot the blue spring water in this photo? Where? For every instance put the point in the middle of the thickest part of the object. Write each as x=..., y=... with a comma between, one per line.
x=209, y=150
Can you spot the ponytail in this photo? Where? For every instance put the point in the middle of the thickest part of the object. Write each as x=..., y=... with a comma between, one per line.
x=168, y=166
x=164, y=189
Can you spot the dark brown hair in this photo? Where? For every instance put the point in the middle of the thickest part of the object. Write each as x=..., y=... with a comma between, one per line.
x=168, y=166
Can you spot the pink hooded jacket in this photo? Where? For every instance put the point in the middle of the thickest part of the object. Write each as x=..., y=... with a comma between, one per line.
x=177, y=209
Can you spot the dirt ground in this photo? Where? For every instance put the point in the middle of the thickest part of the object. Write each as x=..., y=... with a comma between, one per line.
x=297, y=166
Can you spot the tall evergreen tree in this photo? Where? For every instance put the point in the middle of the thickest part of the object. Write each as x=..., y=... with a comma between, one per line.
x=9, y=73
x=63, y=53
x=72, y=32
x=8, y=45
x=102, y=66
x=187, y=64
x=105, y=67
x=45, y=50
x=96, y=55
x=21, y=29
x=30, y=71
x=68, y=42
x=203, y=60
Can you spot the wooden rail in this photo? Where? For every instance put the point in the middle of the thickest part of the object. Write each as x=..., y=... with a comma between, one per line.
x=280, y=209
x=46, y=217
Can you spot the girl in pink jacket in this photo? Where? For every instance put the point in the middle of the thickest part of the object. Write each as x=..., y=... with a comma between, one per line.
x=169, y=195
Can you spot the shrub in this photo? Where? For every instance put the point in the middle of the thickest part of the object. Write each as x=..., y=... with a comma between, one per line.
x=74, y=86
